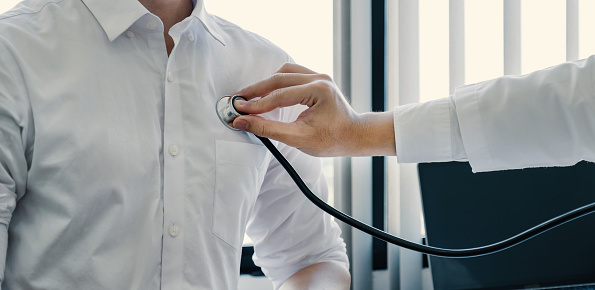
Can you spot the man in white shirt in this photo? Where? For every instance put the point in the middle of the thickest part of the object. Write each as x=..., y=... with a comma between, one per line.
x=546, y=118
x=115, y=172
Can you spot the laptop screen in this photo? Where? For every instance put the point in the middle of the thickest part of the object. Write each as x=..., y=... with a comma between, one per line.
x=464, y=209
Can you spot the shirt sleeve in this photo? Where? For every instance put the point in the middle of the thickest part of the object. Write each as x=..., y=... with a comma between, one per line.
x=15, y=135
x=540, y=119
x=288, y=231
x=428, y=132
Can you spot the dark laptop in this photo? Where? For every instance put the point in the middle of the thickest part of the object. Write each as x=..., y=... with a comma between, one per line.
x=464, y=209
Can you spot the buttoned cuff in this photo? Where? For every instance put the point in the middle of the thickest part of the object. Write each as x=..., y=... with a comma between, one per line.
x=423, y=132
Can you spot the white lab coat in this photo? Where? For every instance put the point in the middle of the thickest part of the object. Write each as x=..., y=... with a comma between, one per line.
x=546, y=118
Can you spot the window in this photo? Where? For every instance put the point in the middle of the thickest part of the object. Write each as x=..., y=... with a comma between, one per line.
x=543, y=40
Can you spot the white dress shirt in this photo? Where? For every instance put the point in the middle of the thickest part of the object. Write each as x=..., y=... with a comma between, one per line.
x=546, y=118
x=115, y=171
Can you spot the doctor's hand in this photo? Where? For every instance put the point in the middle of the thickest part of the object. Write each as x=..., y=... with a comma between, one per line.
x=328, y=127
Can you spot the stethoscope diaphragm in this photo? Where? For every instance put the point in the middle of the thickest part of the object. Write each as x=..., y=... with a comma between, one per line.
x=227, y=111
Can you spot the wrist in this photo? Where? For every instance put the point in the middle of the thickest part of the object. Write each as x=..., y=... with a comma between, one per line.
x=375, y=135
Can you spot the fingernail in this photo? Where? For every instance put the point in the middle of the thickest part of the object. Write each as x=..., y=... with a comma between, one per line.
x=241, y=124
x=239, y=102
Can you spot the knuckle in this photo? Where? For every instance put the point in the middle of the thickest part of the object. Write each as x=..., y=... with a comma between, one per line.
x=263, y=131
x=285, y=67
x=325, y=77
x=323, y=87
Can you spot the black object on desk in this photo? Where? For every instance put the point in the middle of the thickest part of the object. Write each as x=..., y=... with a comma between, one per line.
x=464, y=209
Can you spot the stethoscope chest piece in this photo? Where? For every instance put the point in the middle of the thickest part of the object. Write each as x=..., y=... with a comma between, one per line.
x=226, y=110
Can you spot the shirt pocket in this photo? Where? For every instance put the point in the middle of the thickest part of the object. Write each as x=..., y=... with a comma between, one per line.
x=240, y=171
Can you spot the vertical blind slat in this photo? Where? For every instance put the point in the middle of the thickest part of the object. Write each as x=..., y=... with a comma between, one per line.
x=572, y=30
x=408, y=86
x=393, y=205
x=512, y=37
x=408, y=52
x=361, y=168
x=456, y=44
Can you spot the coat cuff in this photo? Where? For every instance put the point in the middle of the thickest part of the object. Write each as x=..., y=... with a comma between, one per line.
x=423, y=132
x=471, y=126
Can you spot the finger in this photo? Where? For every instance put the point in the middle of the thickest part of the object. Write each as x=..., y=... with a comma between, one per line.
x=294, y=68
x=268, y=85
x=306, y=94
x=278, y=81
x=287, y=133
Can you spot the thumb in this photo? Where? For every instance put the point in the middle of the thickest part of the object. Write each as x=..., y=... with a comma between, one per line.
x=259, y=126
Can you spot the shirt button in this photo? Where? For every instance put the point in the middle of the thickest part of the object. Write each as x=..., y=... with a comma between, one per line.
x=173, y=150
x=130, y=34
x=190, y=37
x=174, y=231
x=170, y=76
x=151, y=24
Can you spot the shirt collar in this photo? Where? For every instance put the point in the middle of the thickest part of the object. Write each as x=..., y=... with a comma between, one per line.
x=116, y=16
x=207, y=20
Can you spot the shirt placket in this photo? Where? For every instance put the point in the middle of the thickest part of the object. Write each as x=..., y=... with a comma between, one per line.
x=173, y=164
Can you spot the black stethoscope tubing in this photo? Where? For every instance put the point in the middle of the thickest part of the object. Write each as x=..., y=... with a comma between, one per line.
x=452, y=253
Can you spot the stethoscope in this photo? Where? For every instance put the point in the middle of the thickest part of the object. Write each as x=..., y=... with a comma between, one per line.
x=227, y=113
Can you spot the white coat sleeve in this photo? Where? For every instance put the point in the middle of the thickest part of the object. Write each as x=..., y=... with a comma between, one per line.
x=289, y=232
x=546, y=118
x=15, y=144
x=428, y=132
